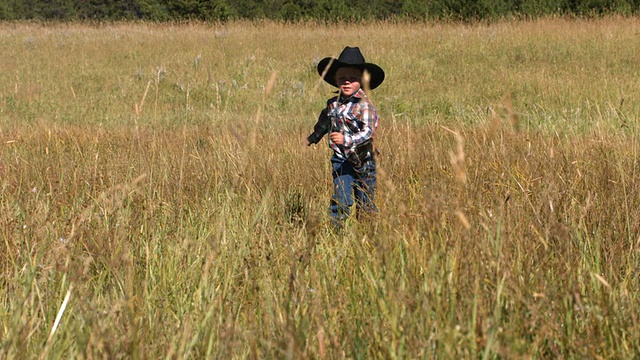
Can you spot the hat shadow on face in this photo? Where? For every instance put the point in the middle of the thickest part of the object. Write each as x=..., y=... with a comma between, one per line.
x=351, y=57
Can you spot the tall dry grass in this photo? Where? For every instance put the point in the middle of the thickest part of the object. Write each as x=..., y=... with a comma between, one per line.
x=157, y=201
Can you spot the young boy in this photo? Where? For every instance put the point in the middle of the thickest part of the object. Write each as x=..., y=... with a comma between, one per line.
x=351, y=121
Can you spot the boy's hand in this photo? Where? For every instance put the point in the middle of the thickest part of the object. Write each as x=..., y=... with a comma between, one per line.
x=337, y=138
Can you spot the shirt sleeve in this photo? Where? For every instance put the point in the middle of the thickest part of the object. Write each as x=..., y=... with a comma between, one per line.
x=368, y=122
x=320, y=129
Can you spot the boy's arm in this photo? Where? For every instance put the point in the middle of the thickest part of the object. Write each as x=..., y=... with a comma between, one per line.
x=369, y=122
x=321, y=127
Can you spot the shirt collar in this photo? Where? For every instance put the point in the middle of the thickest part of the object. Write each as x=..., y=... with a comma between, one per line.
x=353, y=98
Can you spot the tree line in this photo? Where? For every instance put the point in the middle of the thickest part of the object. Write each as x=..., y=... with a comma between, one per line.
x=298, y=10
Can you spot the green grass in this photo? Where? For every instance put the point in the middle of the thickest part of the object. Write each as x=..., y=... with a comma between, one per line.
x=156, y=195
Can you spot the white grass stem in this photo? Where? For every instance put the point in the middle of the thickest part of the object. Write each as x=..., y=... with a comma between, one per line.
x=57, y=321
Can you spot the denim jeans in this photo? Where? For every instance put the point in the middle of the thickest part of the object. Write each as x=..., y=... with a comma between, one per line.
x=349, y=182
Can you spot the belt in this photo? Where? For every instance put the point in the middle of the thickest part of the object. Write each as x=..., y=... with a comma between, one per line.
x=365, y=151
x=362, y=154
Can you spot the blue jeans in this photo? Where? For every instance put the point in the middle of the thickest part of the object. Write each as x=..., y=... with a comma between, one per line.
x=351, y=181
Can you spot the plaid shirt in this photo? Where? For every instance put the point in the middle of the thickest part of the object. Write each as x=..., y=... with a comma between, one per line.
x=356, y=118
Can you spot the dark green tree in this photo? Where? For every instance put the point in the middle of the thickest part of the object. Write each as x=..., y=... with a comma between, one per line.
x=295, y=10
x=249, y=9
x=54, y=9
x=386, y=9
x=291, y=12
x=6, y=11
x=534, y=8
x=415, y=9
x=215, y=10
x=592, y=7
x=154, y=10
x=94, y=9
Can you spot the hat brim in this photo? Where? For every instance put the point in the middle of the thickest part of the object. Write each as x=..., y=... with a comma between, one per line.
x=328, y=67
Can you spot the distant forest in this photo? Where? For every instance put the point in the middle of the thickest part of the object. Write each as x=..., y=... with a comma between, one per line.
x=300, y=10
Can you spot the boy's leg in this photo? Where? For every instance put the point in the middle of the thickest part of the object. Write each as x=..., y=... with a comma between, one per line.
x=342, y=200
x=365, y=189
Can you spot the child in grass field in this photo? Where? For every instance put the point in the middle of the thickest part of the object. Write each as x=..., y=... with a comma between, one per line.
x=351, y=120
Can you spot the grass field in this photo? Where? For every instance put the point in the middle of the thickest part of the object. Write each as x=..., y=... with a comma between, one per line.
x=157, y=201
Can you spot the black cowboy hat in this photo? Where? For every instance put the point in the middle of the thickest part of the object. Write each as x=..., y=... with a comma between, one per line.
x=352, y=57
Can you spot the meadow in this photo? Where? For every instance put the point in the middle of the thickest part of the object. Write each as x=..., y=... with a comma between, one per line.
x=157, y=199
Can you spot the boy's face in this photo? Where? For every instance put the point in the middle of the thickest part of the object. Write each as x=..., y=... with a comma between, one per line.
x=348, y=80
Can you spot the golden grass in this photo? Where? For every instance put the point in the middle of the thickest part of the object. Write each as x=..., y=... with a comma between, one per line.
x=156, y=199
